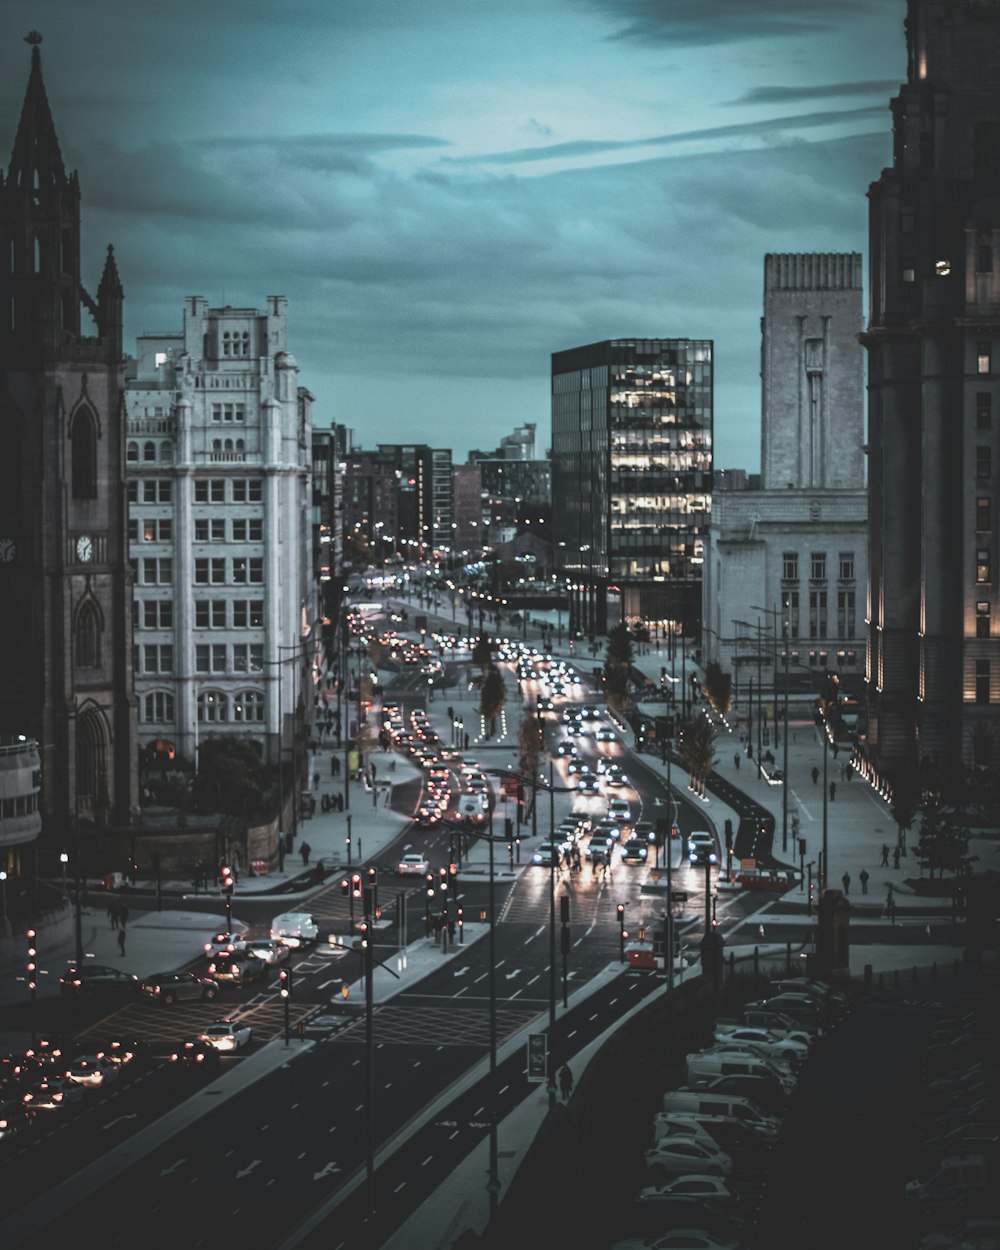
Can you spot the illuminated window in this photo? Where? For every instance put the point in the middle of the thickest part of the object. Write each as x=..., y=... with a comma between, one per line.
x=983, y=566
x=942, y=268
x=984, y=358
x=909, y=268
x=983, y=619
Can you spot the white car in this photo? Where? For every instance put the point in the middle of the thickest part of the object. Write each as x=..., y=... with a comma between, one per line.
x=226, y=1035
x=620, y=810
x=269, y=951
x=680, y=1156
x=92, y=1071
x=225, y=944
x=413, y=865
x=775, y=1047
x=695, y=1185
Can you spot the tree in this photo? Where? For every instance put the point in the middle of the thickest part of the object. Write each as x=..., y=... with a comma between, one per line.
x=231, y=775
x=905, y=802
x=697, y=748
x=943, y=843
x=492, y=698
x=529, y=741
x=717, y=687
x=482, y=653
x=618, y=667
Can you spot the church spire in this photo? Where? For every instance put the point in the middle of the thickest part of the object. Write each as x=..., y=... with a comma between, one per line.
x=36, y=164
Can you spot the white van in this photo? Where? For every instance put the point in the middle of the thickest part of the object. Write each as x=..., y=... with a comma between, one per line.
x=699, y=1102
x=704, y=1067
x=472, y=808
x=294, y=928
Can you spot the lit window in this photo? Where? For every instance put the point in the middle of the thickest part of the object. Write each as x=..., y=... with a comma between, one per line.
x=983, y=515
x=942, y=268
x=983, y=566
x=909, y=268
x=983, y=619
x=983, y=358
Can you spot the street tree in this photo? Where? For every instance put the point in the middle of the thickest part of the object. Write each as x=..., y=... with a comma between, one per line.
x=231, y=775
x=717, y=687
x=943, y=842
x=618, y=667
x=697, y=747
x=492, y=698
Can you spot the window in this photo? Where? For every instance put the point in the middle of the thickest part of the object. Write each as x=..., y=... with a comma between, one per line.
x=248, y=613
x=157, y=613
x=817, y=566
x=212, y=706
x=790, y=566
x=84, y=455
x=209, y=572
x=984, y=463
x=248, y=570
x=942, y=268
x=157, y=571
x=149, y=452
x=247, y=490
x=982, y=681
x=983, y=566
x=907, y=221
x=156, y=490
x=983, y=619
x=210, y=658
x=132, y=491
x=132, y=453
x=909, y=268
x=210, y=613
x=248, y=530
x=846, y=566
x=983, y=515
x=817, y=614
x=845, y=614
x=154, y=530
x=248, y=657
x=158, y=708
x=984, y=410
x=133, y=530
x=984, y=353
x=228, y=413
x=248, y=705
x=88, y=637
x=209, y=531
x=217, y=490
x=790, y=607
x=157, y=658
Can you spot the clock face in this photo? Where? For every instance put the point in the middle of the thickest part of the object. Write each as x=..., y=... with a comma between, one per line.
x=85, y=548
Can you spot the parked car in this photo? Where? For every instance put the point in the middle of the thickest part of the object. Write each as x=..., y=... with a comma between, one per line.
x=700, y=1185
x=694, y=1238
x=97, y=981
x=176, y=987
x=679, y=1156
x=790, y=1045
x=797, y=1006
x=762, y=1090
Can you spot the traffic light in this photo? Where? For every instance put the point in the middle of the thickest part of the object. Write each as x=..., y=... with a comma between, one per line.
x=621, y=917
x=345, y=887
x=453, y=870
x=373, y=877
x=32, y=952
x=285, y=982
x=363, y=930
x=430, y=884
x=356, y=884
x=227, y=879
x=443, y=879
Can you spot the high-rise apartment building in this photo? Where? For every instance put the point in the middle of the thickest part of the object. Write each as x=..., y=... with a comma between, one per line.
x=632, y=477
x=933, y=340
x=217, y=459
x=66, y=624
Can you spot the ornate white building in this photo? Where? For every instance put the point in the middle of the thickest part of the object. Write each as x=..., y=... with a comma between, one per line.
x=218, y=468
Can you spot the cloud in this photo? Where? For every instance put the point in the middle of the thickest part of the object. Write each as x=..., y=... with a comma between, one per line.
x=784, y=95
x=704, y=22
x=595, y=147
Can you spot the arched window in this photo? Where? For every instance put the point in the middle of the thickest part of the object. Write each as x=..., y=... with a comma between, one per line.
x=132, y=453
x=167, y=453
x=228, y=445
x=213, y=706
x=217, y=444
x=248, y=705
x=88, y=636
x=240, y=445
x=149, y=451
x=83, y=440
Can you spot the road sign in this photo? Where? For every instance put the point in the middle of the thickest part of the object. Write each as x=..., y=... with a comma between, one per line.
x=538, y=1056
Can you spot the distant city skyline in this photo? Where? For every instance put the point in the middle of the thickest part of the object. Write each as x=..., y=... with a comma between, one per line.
x=448, y=194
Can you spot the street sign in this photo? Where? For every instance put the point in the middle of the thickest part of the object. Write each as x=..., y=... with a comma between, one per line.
x=538, y=1056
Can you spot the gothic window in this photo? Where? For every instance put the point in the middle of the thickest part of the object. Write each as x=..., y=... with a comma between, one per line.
x=149, y=451
x=83, y=440
x=213, y=706
x=132, y=453
x=158, y=708
x=248, y=705
x=88, y=637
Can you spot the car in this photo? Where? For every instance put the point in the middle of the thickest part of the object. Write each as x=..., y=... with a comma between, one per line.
x=590, y=711
x=52, y=1052
x=476, y=785
x=545, y=704
x=575, y=730
x=679, y=1156
x=193, y=1053
x=760, y=1033
x=634, y=851
x=774, y=1047
x=269, y=951
x=820, y=989
x=226, y=1035
x=606, y=735
x=93, y=1071
x=566, y=748
x=52, y=1093
x=97, y=981
x=701, y=847
x=176, y=987
x=123, y=1050
x=577, y=766
x=798, y=1006
x=428, y=814
x=469, y=767
x=547, y=855
x=620, y=810
x=413, y=865
x=222, y=942
x=600, y=847
x=615, y=776
x=694, y=1185
x=693, y=1238
x=237, y=968
x=14, y=1120
x=587, y=783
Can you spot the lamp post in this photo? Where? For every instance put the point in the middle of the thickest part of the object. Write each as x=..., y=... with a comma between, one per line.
x=64, y=860
x=784, y=759
x=493, y=1179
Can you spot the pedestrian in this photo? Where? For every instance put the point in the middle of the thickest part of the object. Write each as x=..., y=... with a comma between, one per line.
x=736, y=760
x=836, y=750
x=833, y=790
x=121, y=942
x=565, y=1082
x=885, y=855
x=122, y=915
x=306, y=848
x=113, y=914
x=315, y=781
x=890, y=909
x=848, y=771
x=815, y=775
x=895, y=857
x=846, y=878
x=863, y=878
x=333, y=766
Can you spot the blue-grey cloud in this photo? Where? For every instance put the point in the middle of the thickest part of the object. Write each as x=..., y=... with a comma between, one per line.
x=704, y=22
x=597, y=147
x=785, y=95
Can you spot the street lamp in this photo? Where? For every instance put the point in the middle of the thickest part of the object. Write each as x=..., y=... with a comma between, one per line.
x=784, y=759
x=64, y=860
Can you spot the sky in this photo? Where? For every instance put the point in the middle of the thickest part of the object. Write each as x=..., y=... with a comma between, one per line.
x=448, y=191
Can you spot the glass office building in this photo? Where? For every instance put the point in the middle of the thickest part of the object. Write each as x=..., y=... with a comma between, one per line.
x=632, y=478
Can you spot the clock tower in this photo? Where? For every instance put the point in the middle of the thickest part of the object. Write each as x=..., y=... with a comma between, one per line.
x=65, y=584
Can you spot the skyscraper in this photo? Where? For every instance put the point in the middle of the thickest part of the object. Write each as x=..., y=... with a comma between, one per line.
x=933, y=341
x=66, y=625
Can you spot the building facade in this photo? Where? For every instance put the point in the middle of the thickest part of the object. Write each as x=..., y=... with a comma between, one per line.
x=933, y=341
x=66, y=655
x=218, y=470
x=632, y=477
x=789, y=558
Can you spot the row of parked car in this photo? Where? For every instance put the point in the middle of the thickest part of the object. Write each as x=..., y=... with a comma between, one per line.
x=712, y=1135
x=953, y=1194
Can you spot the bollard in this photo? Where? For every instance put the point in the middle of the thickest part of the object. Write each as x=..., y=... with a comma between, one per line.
x=756, y=960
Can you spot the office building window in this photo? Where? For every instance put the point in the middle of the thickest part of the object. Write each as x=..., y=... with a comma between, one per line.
x=790, y=607
x=156, y=613
x=248, y=613
x=156, y=490
x=790, y=566
x=846, y=566
x=247, y=490
x=157, y=571
x=845, y=614
x=982, y=681
x=209, y=531
x=209, y=572
x=213, y=706
x=817, y=614
x=983, y=566
x=157, y=658
x=984, y=463
x=983, y=515
x=984, y=410
x=157, y=530
x=248, y=529
x=983, y=619
x=248, y=657
x=984, y=353
x=817, y=566
x=158, y=708
x=248, y=705
x=210, y=613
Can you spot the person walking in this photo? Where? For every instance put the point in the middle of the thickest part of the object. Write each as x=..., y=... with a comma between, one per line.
x=306, y=848
x=885, y=855
x=122, y=915
x=121, y=942
x=113, y=914
x=815, y=775
x=846, y=879
x=895, y=857
x=890, y=909
x=833, y=790
x=736, y=760
x=863, y=878
x=565, y=1082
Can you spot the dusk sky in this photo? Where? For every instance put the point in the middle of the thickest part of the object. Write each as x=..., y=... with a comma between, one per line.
x=449, y=192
